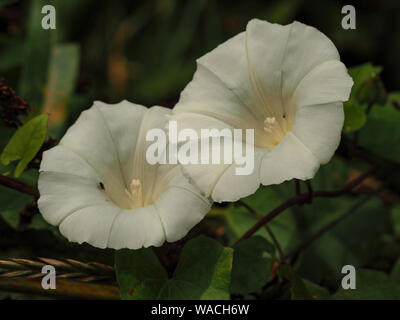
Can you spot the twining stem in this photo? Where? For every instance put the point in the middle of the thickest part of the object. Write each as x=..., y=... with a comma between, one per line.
x=304, y=197
x=271, y=234
x=19, y=186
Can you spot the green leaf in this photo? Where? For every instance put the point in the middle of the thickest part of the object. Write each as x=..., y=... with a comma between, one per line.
x=25, y=143
x=298, y=290
x=371, y=285
x=239, y=220
x=362, y=74
x=367, y=89
x=12, y=203
x=203, y=272
x=372, y=91
x=353, y=239
x=139, y=273
x=381, y=135
x=252, y=263
x=355, y=116
x=317, y=292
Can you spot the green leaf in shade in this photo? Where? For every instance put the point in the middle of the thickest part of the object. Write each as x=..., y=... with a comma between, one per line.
x=25, y=143
x=37, y=51
x=381, y=135
x=12, y=203
x=298, y=290
x=140, y=274
x=372, y=91
x=252, y=263
x=354, y=116
x=362, y=74
x=62, y=75
x=239, y=220
x=352, y=240
x=371, y=285
x=367, y=89
x=317, y=292
x=203, y=272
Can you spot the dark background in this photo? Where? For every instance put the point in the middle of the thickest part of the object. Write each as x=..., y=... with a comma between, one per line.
x=145, y=51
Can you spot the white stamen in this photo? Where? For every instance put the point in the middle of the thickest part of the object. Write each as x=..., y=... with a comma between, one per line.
x=269, y=124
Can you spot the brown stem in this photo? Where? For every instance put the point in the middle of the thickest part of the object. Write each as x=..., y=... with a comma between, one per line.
x=271, y=234
x=19, y=186
x=304, y=197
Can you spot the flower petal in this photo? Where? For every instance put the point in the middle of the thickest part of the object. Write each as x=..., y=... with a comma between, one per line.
x=306, y=48
x=90, y=224
x=180, y=208
x=62, y=194
x=227, y=187
x=291, y=159
x=210, y=96
x=136, y=228
x=328, y=82
x=319, y=128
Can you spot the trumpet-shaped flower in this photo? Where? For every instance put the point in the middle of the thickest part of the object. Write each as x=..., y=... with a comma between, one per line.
x=285, y=82
x=97, y=186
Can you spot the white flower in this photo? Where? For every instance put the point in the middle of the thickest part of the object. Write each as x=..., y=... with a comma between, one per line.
x=285, y=82
x=98, y=187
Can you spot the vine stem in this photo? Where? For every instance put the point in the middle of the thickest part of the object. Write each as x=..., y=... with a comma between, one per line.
x=301, y=198
x=19, y=186
x=271, y=234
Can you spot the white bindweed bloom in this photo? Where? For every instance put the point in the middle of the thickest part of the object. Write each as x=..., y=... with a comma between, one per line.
x=97, y=186
x=285, y=82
